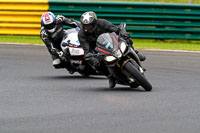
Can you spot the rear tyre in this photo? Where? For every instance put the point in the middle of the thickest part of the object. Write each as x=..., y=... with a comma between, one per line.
x=138, y=76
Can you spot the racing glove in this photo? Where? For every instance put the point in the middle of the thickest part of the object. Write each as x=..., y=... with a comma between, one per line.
x=89, y=57
x=125, y=35
x=54, y=51
x=59, y=53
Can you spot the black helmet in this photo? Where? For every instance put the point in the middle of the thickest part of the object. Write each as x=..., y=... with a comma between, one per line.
x=89, y=21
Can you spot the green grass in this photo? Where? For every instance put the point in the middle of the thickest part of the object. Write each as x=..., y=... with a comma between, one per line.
x=20, y=39
x=138, y=43
x=167, y=44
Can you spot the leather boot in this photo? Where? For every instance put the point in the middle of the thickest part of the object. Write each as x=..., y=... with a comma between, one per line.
x=112, y=82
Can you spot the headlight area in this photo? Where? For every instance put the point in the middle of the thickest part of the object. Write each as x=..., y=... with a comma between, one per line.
x=110, y=58
x=123, y=46
x=118, y=53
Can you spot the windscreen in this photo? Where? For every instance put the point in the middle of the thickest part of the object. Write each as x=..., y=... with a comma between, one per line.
x=104, y=40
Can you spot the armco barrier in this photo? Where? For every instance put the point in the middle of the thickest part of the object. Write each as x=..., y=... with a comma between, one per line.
x=21, y=17
x=144, y=20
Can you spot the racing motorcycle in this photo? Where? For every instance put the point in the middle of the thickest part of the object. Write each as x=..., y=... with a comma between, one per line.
x=121, y=60
x=73, y=53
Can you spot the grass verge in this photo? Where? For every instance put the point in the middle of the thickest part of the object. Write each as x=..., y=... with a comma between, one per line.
x=20, y=39
x=138, y=43
x=167, y=44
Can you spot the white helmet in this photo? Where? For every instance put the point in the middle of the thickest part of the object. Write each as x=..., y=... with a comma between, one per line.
x=48, y=21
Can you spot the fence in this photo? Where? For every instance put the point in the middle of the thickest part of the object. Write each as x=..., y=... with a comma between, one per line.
x=144, y=20
x=21, y=17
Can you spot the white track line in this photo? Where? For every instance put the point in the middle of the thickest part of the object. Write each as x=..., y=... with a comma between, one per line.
x=168, y=50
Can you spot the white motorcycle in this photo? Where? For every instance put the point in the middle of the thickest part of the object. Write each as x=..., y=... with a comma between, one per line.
x=73, y=53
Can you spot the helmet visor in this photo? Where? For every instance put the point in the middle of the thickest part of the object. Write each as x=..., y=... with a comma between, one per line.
x=50, y=26
x=87, y=27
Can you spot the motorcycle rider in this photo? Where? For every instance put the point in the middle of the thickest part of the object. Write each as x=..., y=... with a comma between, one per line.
x=91, y=29
x=52, y=33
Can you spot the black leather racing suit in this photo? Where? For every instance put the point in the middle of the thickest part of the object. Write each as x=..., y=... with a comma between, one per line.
x=88, y=40
x=53, y=40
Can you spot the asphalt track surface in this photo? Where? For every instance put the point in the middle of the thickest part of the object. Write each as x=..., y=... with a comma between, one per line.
x=36, y=98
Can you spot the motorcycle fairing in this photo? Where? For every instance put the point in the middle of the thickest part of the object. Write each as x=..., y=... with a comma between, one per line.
x=71, y=42
x=76, y=51
x=106, y=43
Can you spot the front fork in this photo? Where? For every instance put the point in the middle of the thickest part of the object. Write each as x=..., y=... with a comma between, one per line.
x=135, y=56
x=138, y=66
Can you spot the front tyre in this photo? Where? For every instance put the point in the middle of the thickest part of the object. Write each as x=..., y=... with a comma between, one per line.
x=130, y=68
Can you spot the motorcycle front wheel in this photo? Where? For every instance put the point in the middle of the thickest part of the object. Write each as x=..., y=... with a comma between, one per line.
x=130, y=68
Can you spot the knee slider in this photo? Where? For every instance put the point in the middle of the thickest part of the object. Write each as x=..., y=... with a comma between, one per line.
x=57, y=63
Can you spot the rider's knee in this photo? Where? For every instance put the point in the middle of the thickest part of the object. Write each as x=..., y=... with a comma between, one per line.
x=57, y=63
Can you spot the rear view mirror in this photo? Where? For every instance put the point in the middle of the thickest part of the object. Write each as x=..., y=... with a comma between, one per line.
x=122, y=26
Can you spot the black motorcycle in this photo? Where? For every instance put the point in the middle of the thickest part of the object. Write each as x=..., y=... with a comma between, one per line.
x=121, y=60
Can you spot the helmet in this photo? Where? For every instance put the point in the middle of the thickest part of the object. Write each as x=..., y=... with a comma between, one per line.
x=48, y=21
x=89, y=21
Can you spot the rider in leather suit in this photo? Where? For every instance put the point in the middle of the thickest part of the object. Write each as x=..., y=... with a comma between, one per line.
x=91, y=29
x=52, y=33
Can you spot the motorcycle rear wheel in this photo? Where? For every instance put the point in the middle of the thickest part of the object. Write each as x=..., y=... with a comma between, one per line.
x=138, y=76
